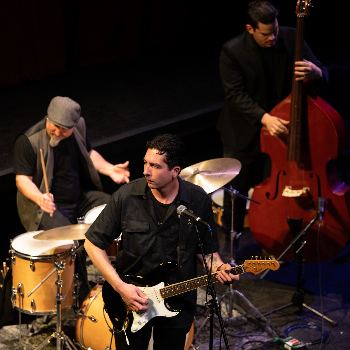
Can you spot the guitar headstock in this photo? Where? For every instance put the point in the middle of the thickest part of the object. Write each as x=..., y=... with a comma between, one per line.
x=256, y=266
x=302, y=8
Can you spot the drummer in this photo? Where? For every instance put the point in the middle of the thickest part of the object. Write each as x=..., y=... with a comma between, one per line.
x=72, y=168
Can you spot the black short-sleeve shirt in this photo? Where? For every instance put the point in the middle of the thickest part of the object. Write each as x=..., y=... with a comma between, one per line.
x=146, y=245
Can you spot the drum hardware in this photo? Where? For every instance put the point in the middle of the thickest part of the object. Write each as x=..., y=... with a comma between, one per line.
x=18, y=291
x=13, y=257
x=61, y=338
x=44, y=280
x=32, y=305
x=75, y=293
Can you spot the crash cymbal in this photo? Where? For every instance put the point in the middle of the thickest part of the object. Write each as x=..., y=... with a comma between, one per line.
x=212, y=174
x=74, y=232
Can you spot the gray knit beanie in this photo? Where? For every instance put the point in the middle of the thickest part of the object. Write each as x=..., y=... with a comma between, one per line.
x=63, y=112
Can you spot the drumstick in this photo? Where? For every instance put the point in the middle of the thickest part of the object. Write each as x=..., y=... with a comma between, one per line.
x=5, y=269
x=44, y=171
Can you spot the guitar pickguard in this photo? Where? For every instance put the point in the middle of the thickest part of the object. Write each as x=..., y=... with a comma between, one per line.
x=156, y=307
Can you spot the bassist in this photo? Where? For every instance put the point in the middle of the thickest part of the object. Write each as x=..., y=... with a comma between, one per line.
x=144, y=211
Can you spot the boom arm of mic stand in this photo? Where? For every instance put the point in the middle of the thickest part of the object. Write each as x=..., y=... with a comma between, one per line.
x=302, y=232
x=240, y=195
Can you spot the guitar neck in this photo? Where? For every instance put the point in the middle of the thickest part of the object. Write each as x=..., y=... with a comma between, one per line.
x=183, y=287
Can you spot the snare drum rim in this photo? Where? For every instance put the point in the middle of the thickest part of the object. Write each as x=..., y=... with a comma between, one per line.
x=40, y=313
x=47, y=257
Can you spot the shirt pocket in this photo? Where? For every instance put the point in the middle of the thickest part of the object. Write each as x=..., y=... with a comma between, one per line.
x=136, y=236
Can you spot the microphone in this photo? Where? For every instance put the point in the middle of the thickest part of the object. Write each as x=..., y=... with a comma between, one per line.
x=182, y=210
x=320, y=207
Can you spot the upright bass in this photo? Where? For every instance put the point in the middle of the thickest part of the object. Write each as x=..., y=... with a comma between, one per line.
x=303, y=169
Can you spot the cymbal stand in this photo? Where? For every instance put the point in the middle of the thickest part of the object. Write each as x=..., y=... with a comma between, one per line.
x=234, y=238
x=61, y=338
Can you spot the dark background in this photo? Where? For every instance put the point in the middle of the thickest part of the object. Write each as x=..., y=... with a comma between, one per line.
x=137, y=68
x=142, y=67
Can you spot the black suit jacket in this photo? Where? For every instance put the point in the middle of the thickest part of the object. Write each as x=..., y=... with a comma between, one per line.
x=243, y=78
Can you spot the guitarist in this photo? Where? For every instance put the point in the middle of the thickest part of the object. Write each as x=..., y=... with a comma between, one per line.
x=144, y=211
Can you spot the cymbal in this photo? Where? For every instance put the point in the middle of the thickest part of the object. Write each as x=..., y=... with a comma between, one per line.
x=74, y=232
x=212, y=174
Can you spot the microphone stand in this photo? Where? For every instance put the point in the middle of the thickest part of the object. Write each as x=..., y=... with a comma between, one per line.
x=213, y=304
x=298, y=298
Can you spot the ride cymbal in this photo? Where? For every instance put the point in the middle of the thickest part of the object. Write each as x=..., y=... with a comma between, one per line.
x=212, y=174
x=74, y=232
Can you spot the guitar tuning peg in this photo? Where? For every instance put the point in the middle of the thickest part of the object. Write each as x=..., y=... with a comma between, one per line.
x=256, y=257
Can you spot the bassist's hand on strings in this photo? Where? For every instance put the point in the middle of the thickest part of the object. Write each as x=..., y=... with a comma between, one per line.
x=307, y=70
x=275, y=126
x=133, y=297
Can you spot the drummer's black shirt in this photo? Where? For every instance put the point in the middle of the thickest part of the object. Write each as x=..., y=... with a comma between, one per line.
x=146, y=244
x=67, y=183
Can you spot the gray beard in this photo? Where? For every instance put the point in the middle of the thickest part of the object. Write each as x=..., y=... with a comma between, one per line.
x=54, y=141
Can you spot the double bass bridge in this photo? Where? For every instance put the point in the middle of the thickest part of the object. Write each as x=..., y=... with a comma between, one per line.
x=289, y=192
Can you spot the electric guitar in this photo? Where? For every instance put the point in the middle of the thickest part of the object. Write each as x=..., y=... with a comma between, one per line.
x=157, y=291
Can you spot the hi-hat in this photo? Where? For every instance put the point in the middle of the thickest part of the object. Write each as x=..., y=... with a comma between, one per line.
x=212, y=174
x=74, y=232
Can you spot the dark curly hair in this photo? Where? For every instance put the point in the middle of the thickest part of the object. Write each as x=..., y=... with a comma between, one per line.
x=261, y=11
x=173, y=146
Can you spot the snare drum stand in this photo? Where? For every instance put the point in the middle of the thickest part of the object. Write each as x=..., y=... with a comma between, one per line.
x=61, y=338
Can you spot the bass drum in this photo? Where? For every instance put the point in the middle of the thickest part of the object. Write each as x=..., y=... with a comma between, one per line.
x=95, y=321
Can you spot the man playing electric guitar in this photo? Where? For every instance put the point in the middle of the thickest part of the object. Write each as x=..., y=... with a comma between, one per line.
x=153, y=234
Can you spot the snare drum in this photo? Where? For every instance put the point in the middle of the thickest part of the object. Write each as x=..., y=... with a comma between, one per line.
x=32, y=261
x=94, y=321
x=90, y=217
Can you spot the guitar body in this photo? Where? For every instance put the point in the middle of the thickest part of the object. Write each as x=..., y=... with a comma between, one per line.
x=149, y=285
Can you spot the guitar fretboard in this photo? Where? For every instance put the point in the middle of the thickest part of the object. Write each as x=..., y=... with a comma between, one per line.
x=182, y=287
